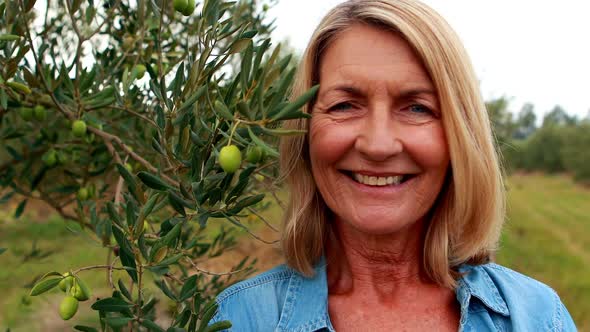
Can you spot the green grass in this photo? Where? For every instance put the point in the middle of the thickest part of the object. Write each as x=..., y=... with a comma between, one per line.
x=547, y=236
x=58, y=248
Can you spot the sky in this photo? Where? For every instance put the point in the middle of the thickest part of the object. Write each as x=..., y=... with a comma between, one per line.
x=528, y=50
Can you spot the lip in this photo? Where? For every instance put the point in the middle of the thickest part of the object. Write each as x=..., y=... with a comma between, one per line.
x=381, y=190
x=372, y=173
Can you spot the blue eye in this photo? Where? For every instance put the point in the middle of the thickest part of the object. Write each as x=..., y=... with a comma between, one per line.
x=420, y=109
x=341, y=107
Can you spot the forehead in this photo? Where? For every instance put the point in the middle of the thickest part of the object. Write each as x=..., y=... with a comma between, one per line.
x=366, y=55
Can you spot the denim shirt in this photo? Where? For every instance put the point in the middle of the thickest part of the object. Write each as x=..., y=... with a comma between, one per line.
x=491, y=297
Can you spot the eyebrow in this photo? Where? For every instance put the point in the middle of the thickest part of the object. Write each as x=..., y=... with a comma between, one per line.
x=416, y=92
x=404, y=94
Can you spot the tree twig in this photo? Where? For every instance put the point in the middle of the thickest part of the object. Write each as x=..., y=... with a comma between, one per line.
x=214, y=273
x=59, y=106
x=143, y=117
x=262, y=218
x=233, y=221
x=109, y=137
x=94, y=267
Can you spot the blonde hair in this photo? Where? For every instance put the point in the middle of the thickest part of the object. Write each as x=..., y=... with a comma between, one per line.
x=467, y=217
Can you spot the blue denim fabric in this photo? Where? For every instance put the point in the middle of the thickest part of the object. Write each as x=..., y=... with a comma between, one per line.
x=492, y=298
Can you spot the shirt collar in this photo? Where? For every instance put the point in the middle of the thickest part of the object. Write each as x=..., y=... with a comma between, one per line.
x=477, y=282
x=306, y=302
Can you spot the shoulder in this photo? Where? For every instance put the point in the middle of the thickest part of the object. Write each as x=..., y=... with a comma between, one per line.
x=255, y=304
x=528, y=302
x=514, y=283
x=271, y=280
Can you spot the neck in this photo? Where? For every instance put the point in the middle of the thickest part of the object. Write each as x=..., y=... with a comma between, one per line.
x=366, y=263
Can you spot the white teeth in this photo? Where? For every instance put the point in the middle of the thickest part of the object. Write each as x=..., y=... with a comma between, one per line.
x=357, y=177
x=377, y=180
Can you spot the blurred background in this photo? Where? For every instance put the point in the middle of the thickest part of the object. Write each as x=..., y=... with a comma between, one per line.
x=532, y=61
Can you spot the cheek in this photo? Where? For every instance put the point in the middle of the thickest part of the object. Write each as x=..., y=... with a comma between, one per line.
x=429, y=148
x=329, y=141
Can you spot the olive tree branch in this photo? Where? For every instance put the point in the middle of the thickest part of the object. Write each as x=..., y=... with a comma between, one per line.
x=93, y=267
x=61, y=211
x=76, y=59
x=13, y=162
x=213, y=273
x=236, y=222
x=262, y=218
x=141, y=16
x=159, y=51
x=110, y=272
x=109, y=137
x=143, y=117
x=171, y=276
x=108, y=18
x=139, y=283
x=59, y=106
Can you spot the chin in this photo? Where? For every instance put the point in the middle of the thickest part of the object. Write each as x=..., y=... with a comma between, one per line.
x=377, y=224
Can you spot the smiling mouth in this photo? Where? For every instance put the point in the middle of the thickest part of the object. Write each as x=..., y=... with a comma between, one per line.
x=378, y=181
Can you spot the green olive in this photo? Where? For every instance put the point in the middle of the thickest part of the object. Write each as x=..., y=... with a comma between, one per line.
x=189, y=8
x=180, y=5
x=40, y=113
x=66, y=282
x=139, y=70
x=80, y=290
x=83, y=194
x=79, y=128
x=26, y=113
x=50, y=158
x=68, y=307
x=254, y=154
x=230, y=158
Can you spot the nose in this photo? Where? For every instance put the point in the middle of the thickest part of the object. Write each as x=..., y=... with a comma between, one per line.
x=378, y=139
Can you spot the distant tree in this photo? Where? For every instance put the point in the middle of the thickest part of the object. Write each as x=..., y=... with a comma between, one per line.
x=543, y=150
x=525, y=122
x=501, y=118
x=576, y=153
x=559, y=145
x=558, y=116
x=503, y=127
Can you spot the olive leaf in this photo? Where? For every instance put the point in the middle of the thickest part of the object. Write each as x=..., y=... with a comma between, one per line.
x=44, y=285
x=111, y=304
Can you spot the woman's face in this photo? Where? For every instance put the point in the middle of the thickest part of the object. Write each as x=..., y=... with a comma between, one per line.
x=377, y=145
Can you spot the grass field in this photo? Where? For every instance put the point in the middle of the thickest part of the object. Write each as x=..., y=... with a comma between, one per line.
x=547, y=236
x=28, y=243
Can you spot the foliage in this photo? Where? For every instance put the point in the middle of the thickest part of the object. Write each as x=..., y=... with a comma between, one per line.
x=543, y=150
x=576, y=152
x=559, y=145
x=115, y=115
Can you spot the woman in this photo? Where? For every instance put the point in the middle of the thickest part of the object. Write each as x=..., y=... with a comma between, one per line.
x=396, y=192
